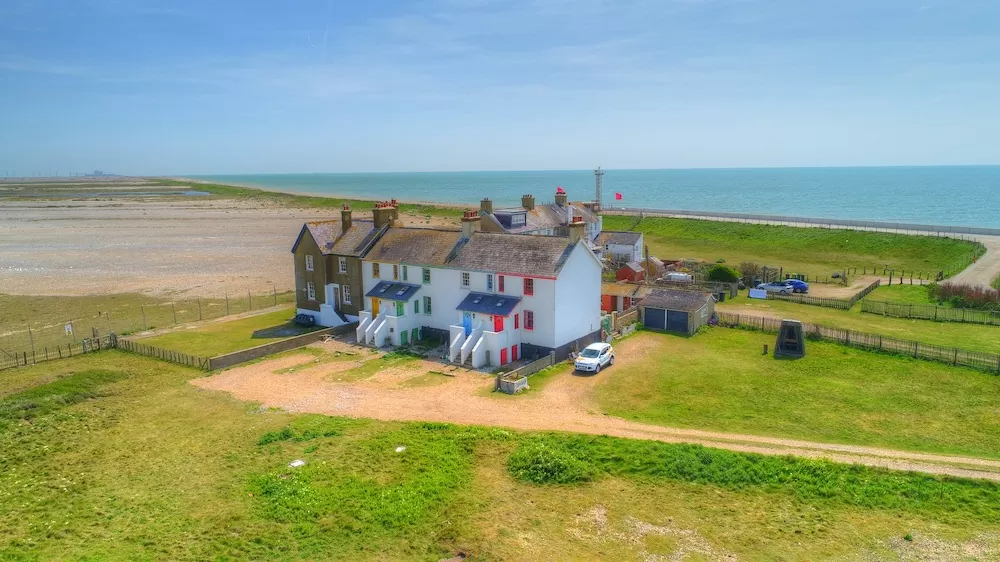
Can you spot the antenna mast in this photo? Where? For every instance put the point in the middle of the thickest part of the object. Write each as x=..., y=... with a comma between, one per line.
x=598, y=180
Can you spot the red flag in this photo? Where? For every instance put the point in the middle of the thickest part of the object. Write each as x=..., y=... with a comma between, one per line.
x=618, y=196
x=560, y=190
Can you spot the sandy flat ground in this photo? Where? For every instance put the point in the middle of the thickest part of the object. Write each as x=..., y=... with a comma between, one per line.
x=189, y=248
x=300, y=383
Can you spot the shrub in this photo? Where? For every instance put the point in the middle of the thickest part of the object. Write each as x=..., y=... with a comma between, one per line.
x=275, y=436
x=723, y=273
x=966, y=296
x=544, y=464
x=750, y=271
x=720, y=260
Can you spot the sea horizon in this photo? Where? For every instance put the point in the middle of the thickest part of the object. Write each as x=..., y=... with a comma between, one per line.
x=949, y=195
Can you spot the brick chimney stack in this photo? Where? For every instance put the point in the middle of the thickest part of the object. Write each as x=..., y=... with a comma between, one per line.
x=577, y=229
x=561, y=199
x=470, y=223
x=345, y=218
x=384, y=214
x=395, y=210
x=486, y=206
x=528, y=202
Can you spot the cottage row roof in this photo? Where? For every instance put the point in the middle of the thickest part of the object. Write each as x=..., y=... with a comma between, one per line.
x=331, y=238
x=546, y=217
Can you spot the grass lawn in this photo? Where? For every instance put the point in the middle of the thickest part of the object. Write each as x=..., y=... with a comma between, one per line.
x=903, y=294
x=720, y=381
x=973, y=337
x=217, y=338
x=129, y=312
x=114, y=456
x=813, y=251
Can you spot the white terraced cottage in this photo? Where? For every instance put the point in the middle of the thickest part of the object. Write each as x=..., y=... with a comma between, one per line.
x=495, y=298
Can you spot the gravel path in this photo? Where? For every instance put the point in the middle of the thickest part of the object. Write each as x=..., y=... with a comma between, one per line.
x=565, y=404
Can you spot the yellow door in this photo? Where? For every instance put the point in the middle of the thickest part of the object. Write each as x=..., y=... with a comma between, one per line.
x=374, y=307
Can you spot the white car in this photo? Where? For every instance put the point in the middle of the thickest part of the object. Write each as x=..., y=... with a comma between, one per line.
x=595, y=356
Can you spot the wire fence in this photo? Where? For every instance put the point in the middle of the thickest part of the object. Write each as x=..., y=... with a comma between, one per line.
x=989, y=362
x=124, y=315
x=932, y=312
x=25, y=358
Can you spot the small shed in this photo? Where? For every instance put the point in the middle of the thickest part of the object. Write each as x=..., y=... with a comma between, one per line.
x=617, y=297
x=674, y=310
x=631, y=271
x=655, y=268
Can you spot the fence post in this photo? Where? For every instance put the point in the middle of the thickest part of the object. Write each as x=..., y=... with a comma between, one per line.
x=274, y=288
x=227, y=303
x=173, y=308
x=199, y=309
x=249, y=299
x=145, y=325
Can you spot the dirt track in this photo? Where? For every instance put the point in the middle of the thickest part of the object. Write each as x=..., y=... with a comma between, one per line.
x=565, y=404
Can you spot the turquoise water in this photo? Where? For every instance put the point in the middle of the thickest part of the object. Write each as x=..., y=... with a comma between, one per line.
x=946, y=195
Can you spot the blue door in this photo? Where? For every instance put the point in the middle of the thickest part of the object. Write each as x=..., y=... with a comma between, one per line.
x=467, y=323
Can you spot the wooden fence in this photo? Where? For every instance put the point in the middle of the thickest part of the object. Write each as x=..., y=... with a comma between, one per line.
x=932, y=312
x=989, y=362
x=168, y=355
x=842, y=304
x=517, y=379
x=25, y=358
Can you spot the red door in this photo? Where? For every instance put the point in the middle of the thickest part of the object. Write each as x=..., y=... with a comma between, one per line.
x=498, y=323
x=503, y=356
x=513, y=353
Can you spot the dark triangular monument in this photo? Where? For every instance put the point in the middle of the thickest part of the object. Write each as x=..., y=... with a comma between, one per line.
x=791, y=342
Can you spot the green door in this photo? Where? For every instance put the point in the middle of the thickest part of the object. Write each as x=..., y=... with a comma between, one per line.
x=400, y=308
x=403, y=339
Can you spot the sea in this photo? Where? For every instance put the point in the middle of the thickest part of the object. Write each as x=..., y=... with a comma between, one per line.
x=940, y=195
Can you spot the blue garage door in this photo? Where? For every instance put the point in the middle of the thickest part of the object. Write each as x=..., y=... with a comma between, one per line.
x=677, y=321
x=655, y=318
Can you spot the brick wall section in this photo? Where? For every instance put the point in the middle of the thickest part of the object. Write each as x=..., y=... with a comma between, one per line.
x=237, y=357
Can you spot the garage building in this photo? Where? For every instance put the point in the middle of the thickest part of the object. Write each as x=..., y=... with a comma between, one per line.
x=676, y=311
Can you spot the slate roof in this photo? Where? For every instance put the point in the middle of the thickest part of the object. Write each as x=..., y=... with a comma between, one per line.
x=546, y=216
x=634, y=266
x=331, y=240
x=541, y=256
x=501, y=305
x=393, y=291
x=685, y=301
x=417, y=246
x=620, y=238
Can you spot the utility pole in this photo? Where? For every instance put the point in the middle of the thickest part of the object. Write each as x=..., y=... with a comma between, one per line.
x=598, y=181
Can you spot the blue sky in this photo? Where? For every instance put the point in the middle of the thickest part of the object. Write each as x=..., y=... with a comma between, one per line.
x=179, y=87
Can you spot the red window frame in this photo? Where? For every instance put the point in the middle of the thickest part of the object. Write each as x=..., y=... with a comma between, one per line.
x=500, y=283
x=529, y=286
x=517, y=321
x=529, y=320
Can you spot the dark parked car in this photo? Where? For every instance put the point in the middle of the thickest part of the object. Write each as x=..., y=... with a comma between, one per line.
x=798, y=286
x=307, y=320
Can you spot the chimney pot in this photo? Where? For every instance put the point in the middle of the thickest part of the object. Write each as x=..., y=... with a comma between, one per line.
x=345, y=218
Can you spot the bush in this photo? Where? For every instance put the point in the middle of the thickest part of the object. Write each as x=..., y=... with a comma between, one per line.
x=750, y=271
x=723, y=273
x=966, y=296
x=544, y=464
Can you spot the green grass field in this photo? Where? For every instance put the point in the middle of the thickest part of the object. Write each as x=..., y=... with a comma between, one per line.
x=814, y=251
x=123, y=313
x=720, y=381
x=219, y=337
x=972, y=337
x=113, y=456
x=902, y=294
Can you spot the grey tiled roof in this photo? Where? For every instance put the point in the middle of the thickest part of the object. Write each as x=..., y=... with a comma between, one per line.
x=511, y=253
x=417, y=246
x=686, y=301
x=331, y=240
x=621, y=238
x=546, y=216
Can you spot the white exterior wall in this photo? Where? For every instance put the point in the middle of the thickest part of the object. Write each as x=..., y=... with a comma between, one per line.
x=577, y=297
x=633, y=250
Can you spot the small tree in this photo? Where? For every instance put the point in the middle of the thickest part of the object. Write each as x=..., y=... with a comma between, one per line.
x=750, y=271
x=723, y=273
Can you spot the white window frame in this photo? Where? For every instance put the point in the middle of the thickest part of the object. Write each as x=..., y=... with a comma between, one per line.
x=310, y=290
x=342, y=264
x=466, y=279
x=489, y=283
x=427, y=305
x=425, y=276
x=310, y=263
x=345, y=294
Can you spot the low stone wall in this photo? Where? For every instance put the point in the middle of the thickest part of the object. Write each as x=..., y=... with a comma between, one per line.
x=242, y=356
